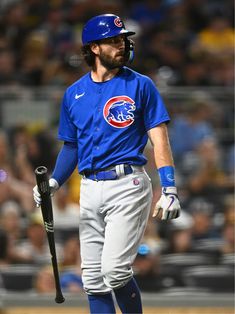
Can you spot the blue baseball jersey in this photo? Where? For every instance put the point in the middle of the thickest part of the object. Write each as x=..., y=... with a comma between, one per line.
x=109, y=120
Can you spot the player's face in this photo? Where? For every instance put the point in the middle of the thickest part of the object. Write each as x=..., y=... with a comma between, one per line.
x=112, y=52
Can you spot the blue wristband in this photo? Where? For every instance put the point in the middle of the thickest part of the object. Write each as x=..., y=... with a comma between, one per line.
x=167, y=176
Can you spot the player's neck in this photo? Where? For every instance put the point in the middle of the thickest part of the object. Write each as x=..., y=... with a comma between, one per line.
x=101, y=74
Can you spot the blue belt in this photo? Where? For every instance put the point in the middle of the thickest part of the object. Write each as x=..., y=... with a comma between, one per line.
x=106, y=174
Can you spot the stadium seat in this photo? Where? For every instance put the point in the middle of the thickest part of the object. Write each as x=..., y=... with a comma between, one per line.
x=228, y=259
x=18, y=278
x=174, y=265
x=214, y=278
x=186, y=259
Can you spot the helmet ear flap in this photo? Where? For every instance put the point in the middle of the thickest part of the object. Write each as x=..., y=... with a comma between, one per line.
x=129, y=47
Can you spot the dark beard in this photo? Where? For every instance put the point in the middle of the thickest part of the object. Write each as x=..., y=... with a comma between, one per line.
x=111, y=63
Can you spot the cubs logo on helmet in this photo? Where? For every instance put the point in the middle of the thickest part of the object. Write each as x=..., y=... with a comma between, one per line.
x=118, y=22
x=119, y=111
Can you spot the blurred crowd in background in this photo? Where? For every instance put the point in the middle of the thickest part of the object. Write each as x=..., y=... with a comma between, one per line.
x=179, y=43
x=187, y=42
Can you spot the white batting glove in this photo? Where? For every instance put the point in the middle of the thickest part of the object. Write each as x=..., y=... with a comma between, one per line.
x=54, y=186
x=168, y=204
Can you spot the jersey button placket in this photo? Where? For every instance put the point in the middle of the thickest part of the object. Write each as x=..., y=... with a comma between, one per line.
x=95, y=129
x=96, y=119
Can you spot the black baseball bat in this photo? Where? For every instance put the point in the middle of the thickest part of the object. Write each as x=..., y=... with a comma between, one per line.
x=47, y=214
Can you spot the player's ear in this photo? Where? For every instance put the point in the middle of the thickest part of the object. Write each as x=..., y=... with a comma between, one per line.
x=94, y=48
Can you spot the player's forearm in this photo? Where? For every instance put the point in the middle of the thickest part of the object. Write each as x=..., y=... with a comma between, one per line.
x=66, y=162
x=163, y=156
x=162, y=150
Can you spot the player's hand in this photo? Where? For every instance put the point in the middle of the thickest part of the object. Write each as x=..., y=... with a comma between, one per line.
x=54, y=186
x=168, y=206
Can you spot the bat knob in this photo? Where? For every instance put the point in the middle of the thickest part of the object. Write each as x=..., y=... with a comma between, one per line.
x=41, y=170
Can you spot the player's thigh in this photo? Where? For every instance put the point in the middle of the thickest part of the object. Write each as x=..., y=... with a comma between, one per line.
x=126, y=219
x=91, y=233
x=91, y=223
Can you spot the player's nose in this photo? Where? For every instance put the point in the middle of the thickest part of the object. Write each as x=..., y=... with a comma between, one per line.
x=121, y=44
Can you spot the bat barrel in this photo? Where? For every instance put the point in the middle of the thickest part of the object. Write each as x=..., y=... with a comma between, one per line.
x=59, y=297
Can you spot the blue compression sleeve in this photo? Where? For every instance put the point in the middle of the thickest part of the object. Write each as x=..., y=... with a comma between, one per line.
x=101, y=303
x=128, y=298
x=66, y=162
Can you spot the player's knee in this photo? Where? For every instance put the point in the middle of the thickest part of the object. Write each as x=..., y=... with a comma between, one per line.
x=93, y=282
x=115, y=277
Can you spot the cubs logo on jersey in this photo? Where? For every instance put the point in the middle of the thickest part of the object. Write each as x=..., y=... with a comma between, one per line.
x=119, y=111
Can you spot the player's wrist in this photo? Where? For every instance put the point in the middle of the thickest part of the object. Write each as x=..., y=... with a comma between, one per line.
x=167, y=176
x=169, y=190
x=54, y=184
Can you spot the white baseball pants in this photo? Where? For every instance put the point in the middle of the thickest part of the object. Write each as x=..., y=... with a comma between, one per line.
x=113, y=218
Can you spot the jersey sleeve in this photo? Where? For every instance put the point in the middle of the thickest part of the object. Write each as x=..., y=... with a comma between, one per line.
x=155, y=111
x=67, y=130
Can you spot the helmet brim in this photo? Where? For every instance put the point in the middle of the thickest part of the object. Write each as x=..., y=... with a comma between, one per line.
x=128, y=33
x=121, y=32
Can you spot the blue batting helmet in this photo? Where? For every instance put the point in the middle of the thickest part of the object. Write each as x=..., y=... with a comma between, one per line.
x=103, y=26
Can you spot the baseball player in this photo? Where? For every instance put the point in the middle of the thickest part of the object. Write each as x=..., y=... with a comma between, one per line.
x=106, y=119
